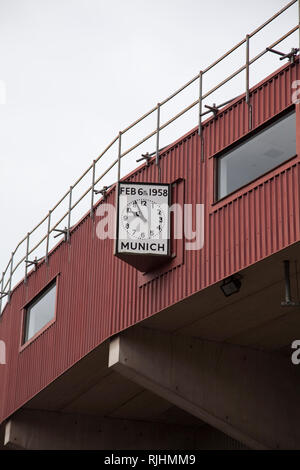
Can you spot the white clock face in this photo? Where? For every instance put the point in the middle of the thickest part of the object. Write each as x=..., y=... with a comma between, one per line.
x=143, y=225
x=143, y=219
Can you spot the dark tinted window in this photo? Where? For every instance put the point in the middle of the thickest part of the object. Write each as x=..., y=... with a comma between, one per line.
x=40, y=311
x=258, y=155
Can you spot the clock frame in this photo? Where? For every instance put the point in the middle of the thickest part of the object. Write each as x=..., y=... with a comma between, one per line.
x=143, y=224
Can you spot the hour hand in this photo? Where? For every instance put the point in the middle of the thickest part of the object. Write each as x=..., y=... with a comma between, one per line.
x=140, y=214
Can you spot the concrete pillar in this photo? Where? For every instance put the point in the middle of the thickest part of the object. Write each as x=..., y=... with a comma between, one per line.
x=250, y=395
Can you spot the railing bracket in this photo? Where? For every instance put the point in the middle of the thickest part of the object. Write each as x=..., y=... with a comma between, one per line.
x=288, y=302
x=35, y=262
x=291, y=55
x=214, y=109
x=65, y=232
x=102, y=191
x=146, y=157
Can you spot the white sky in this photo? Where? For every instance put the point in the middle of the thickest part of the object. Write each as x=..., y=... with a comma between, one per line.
x=78, y=71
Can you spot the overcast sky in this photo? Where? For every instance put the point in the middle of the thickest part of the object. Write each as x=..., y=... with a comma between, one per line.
x=78, y=71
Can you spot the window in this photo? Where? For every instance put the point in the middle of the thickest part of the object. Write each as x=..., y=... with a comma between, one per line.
x=261, y=153
x=40, y=311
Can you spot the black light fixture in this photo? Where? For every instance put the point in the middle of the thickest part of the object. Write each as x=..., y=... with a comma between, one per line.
x=231, y=285
x=288, y=302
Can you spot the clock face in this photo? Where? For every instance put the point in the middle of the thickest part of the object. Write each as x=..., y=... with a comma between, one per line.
x=143, y=219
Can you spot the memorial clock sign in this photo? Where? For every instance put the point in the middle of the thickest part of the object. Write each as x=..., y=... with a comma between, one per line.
x=143, y=224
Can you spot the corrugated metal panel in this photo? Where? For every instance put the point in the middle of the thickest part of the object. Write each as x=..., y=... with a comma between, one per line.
x=99, y=295
x=256, y=224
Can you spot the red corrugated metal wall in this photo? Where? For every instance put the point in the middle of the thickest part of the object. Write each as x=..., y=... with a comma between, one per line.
x=99, y=295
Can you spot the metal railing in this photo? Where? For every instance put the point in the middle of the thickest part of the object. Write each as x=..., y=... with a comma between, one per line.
x=14, y=263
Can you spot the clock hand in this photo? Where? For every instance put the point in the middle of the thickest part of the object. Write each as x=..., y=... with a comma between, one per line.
x=141, y=213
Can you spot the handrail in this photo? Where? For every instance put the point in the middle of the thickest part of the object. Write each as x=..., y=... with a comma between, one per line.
x=12, y=266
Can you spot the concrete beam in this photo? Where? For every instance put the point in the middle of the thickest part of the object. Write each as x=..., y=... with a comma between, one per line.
x=43, y=430
x=247, y=394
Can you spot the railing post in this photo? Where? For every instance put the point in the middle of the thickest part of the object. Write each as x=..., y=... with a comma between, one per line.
x=200, y=115
x=200, y=103
x=93, y=187
x=157, y=137
x=26, y=259
x=119, y=157
x=248, y=82
x=119, y=165
x=117, y=187
x=247, y=69
x=48, y=236
x=69, y=214
x=10, y=277
x=1, y=290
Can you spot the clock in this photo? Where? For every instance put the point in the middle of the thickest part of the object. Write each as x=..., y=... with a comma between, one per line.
x=143, y=224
